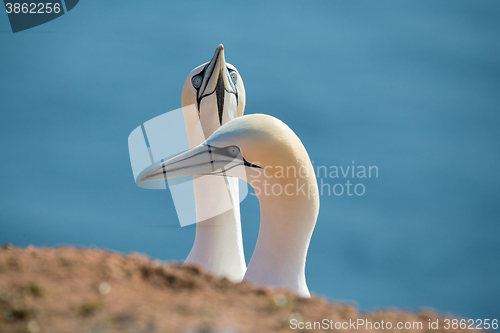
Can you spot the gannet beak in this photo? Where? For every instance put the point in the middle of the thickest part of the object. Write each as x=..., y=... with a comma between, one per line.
x=218, y=85
x=201, y=160
x=218, y=75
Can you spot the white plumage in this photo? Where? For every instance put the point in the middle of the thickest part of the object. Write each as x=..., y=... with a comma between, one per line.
x=213, y=94
x=263, y=147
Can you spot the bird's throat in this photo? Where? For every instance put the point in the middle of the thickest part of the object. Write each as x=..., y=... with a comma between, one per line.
x=219, y=92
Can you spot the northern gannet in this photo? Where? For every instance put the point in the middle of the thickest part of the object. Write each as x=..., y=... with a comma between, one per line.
x=268, y=152
x=213, y=94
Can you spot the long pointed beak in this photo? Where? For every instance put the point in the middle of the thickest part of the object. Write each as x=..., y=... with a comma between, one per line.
x=201, y=160
x=218, y=75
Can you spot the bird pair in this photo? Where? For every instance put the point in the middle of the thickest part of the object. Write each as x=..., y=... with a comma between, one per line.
x=226, y=145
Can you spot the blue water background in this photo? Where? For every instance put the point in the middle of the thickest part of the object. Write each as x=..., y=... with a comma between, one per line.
x=412, y=87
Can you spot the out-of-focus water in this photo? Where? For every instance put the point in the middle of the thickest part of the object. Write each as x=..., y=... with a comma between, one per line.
x=410, y=87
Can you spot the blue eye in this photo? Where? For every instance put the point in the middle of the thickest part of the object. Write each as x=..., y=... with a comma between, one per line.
x=197, y=81
x=234, y=77
x=233, y=150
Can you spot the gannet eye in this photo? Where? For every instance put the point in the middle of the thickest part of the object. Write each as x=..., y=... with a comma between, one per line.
x=234, y=76
x=197, y=81
x=233, y=151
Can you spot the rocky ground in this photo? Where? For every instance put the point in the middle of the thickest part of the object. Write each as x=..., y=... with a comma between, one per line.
x=87, y=290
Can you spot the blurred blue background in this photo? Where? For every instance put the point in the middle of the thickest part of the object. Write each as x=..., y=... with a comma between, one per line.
x=411, y=87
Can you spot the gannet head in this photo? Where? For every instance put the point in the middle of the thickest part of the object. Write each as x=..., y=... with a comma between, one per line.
x=262, y=146
x=252, y=141
x=216, y=91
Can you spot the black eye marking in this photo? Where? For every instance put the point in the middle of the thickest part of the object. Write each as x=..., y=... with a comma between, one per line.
x=248, y=164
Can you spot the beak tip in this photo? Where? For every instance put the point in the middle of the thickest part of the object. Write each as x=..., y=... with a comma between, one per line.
x=147, y=176
x=221, y=47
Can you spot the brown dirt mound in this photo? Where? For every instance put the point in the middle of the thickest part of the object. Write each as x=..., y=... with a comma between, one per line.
x=88, y=290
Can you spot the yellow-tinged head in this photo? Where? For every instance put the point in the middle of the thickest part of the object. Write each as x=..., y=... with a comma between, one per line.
x=213, y=94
